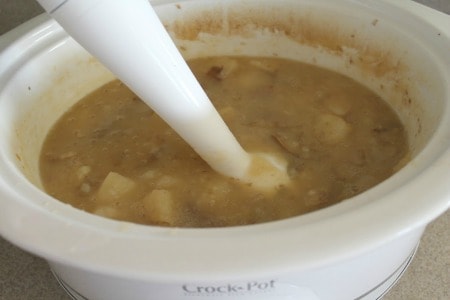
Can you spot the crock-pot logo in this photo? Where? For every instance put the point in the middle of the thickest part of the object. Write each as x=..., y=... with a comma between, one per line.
x=229, y=289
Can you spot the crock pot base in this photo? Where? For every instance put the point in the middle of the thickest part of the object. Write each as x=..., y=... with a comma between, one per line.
x=383, y=287
x=70, y=291
x=376, y=293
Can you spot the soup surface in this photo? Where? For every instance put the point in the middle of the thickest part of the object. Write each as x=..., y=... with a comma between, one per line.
x=111, y=155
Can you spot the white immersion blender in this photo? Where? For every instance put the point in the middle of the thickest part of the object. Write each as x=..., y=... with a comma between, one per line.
x=129, y=39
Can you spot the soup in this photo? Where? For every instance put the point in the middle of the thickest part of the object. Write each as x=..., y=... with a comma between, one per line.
x=111, y=155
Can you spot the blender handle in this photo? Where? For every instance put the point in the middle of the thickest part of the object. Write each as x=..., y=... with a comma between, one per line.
x=129, y=39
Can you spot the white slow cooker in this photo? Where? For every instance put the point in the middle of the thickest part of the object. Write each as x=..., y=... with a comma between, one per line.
x=354, y=250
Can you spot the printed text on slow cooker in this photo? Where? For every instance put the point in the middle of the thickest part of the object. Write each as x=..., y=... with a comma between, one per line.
x=229, y=289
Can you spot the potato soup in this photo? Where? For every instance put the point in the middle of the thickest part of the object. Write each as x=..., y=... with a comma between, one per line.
x=111, y=155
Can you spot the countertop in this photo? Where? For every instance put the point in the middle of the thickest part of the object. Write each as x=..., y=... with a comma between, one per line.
x=24, y=276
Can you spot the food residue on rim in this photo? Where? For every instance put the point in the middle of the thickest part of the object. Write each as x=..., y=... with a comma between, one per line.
x=304, y=27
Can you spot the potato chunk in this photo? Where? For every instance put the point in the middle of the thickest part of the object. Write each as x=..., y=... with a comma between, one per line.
x=107, y=212
x=114, y=187
x=263, y=65
x=160, y=208
x=338, y=105
x=166, y=181
x=331, y=129
x=83, y=171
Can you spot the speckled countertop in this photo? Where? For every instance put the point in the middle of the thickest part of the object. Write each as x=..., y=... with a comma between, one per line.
x=24, y=276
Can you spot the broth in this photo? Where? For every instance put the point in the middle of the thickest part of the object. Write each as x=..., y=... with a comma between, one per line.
x=111, y=155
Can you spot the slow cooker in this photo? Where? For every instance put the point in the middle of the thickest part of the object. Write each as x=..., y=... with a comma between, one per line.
x=353, y=250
